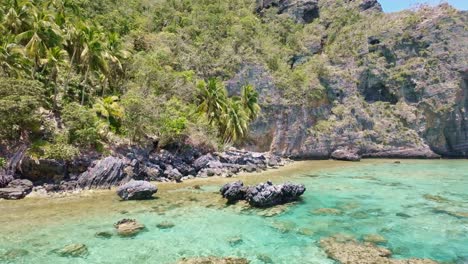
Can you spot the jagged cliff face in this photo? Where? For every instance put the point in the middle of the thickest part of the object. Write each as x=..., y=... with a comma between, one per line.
x=388, y=85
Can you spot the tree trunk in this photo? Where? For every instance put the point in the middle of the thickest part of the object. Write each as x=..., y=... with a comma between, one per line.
x=65, y=86
x=83, y=89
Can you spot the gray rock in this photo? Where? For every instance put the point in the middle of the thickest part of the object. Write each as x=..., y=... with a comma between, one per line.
x=73, y=250
x=234, y=191
x=5, y=179
x=345, y=154
x=267, y=194
x=104, y=174
x=137, y=190
x=16, y=189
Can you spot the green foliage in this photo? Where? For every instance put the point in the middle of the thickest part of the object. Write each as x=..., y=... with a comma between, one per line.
x=20, y=102
x=111, y=111
x=60, y=149
x=3, y=162
x=82, y=125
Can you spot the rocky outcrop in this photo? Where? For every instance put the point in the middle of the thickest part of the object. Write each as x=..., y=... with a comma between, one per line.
x=128, y=227
x=16, y=189
x=5, y=179
x=42, y=170
x=213, y=260
x=302, y=11
x=110, y=171
x=137, y=190
x=345, y=154
x=349, y=251
x=234, y=192
x=267, y=194
x=263, y=194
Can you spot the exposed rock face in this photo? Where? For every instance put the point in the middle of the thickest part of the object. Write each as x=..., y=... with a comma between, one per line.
x=302, y=11
x=214, y=260
x=409, y=99
x=16, y=189
x=137, y=190
x=5, y=179
x=105, y=173
x=128, y=227
x=234, y=191
x=345, y=154
x=267, y=194
x=45, y=170
x=349, y=251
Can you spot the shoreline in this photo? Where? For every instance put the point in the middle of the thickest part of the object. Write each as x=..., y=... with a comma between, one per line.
x=295, y=166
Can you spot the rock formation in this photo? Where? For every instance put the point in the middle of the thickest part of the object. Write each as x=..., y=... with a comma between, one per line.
x=263, y=194
x=137, y=190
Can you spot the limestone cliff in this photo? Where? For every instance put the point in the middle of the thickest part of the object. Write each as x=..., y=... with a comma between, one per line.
x=389, y=85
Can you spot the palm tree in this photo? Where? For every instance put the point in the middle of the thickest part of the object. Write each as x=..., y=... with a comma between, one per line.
x=213, y=99
x=115, y=56
x=249, y=99
x=55, y=57
x=93, y=56
x=110, y=109
x=234, y=121
x=13, y=63
x=41, y=34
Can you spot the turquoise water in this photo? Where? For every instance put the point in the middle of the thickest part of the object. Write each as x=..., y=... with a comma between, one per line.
x=419, y=207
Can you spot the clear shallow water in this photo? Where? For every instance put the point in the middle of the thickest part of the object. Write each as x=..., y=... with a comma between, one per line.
x=419, y=207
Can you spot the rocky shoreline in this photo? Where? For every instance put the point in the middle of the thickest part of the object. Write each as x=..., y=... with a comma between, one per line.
x=90, y=172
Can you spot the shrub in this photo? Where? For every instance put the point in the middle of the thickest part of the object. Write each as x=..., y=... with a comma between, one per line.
x=82, y=125
x=3, y=162
x=20, y=101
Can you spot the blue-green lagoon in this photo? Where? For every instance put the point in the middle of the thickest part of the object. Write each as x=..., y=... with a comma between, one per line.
x=417, y=209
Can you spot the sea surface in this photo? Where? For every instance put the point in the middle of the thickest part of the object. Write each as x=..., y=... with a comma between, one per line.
x=418, y=208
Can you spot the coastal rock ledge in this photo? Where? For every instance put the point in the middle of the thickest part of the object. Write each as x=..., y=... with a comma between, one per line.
x=137, y=190
x=263, y=194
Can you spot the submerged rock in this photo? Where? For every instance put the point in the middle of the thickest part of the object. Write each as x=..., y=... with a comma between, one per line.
x=128, y=227
x=267, y=194
x=345, y=154
x=234, y=241
x=73, y=250
x=137, y=190
x=350, y=251
x=374, y=238
x=327, y=211
x=234, y=191
x=165, y=225
x=435, y=198
x=213, y=260
x=103, y=234
x=13, y=254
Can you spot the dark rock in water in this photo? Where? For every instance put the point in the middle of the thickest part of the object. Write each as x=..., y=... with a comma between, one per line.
x=128, y=227
x=213, y=260
x=165, y=225
x=397, y=162
x=73, y=250
x=16, y=189
x=264, y=258
x=104, y=174
x=137, y=190
x=345, y=155
x=403, y=215
x=267, y=194
x=234, y=191
x=103, y=234
x=234, y=241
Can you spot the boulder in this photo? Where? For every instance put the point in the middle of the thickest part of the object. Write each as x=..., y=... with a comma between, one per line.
x=173, y=174
x=128, y=227
x=104, y=174
x=137, y=190
x=73, y=250
x=202, y=161
x=16, y=189
x=345, y=154
x=267, y=194
x=42, y=170
x=213, y=260
x=234, y=191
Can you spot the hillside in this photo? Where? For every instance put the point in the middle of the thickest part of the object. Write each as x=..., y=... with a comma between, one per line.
x=91, y=77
